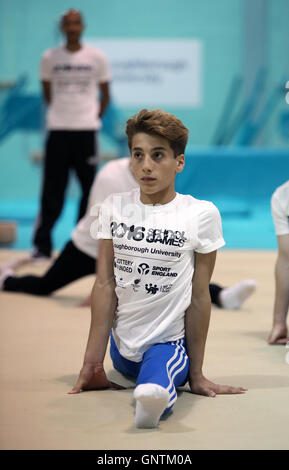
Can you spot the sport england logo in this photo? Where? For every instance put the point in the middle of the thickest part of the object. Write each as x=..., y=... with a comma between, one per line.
x=143, y=268
x=163, y=271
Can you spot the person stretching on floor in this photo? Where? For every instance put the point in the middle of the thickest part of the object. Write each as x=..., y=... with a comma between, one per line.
x=157, y=324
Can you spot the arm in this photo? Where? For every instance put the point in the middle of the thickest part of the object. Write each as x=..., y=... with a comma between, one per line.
x=105, y=97
x=87, y=301
x=46, y=91
x=279, y=333
x=197, y=321
x=103, y=306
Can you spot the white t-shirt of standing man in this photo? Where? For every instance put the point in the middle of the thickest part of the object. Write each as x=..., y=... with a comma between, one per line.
x=74, y=78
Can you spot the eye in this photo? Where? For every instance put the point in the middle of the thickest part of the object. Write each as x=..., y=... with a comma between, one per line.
x=137, y=155
x=158, y=155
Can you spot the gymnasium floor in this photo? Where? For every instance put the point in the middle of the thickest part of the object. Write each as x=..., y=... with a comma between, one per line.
x=42, y=345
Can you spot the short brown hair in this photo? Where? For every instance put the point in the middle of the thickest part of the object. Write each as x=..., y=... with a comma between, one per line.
x=161, y=123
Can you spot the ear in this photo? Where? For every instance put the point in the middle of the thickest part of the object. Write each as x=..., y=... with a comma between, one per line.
x=180, y=163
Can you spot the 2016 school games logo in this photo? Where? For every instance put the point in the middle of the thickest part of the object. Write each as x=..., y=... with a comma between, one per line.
x=138, y=233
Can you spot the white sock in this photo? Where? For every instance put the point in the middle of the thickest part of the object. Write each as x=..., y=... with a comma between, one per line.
x=4, y=274
x=14, y=263
x=151, y=402
x=233, y=297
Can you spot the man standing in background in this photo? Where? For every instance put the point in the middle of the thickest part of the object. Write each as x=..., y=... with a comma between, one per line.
x=72, y=75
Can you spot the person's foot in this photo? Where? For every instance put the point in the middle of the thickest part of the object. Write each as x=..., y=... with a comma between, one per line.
x=4, y=273
x=38, y=256
x=151, y=401
x=14, y=263
x=232, y=298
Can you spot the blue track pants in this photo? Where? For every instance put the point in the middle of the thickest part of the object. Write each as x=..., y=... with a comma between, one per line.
x=164, y=364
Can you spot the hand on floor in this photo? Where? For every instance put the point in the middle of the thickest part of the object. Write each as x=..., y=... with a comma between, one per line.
x=203, y=386
x=278, y=335
x=93, y=377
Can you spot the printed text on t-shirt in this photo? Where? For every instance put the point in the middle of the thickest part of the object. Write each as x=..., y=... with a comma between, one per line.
x=151, y=235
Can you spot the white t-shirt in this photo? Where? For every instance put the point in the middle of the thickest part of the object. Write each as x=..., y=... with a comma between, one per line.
x=280, y=209
x=74, y=77
x=114, y=177
x=154, y=249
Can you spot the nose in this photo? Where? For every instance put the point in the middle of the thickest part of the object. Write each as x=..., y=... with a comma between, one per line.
x=147, y=164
